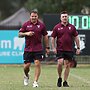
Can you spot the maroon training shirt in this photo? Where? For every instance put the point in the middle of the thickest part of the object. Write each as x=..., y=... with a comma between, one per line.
x=65, y=36
x=34, y=43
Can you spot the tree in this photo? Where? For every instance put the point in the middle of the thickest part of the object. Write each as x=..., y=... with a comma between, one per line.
x=8, y=7
x=56, y=6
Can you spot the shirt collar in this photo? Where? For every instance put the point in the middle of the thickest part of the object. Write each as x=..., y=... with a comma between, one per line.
x=63, y=25
x=35, y=24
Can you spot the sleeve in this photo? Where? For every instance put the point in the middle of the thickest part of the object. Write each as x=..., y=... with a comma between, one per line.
x=44, y=31
x=23, y=28
x=75, y=33
x=54, y=32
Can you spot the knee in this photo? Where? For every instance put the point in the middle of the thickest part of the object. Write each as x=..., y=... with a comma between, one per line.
x=60, y=62
x=37, y=63
x=67, y=65
x=26, y=66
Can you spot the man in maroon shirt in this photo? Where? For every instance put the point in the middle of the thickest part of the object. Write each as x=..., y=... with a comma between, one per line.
x=33, y=30
x=65, y=33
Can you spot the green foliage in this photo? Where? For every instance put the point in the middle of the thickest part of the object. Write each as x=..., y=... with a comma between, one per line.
x=44, y=6
x=56, y=6
x=8, y=7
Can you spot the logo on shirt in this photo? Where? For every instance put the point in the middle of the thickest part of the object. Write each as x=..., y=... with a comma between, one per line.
x=29, y=26
x=59, y=29
x=69, y=28
x=38, y=26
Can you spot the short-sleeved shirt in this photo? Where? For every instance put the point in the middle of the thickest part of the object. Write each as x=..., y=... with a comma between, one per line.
x=34, y=43
x=65, y=36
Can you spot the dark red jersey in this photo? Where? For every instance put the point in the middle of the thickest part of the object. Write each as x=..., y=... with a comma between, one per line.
x=65, y=36
x=34, y=43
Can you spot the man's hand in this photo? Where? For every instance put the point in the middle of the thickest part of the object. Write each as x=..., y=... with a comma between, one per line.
x=29, y=33
x=47, y=51
x=78, y=51
x=55, y=51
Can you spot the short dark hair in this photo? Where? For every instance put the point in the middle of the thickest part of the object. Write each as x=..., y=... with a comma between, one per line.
x=33, y=11
x=64, y=12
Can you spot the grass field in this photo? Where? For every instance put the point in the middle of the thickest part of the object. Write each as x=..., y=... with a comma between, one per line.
x=11, y=78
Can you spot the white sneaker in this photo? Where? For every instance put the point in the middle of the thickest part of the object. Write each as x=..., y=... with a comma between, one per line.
x=35, y=84
x=26, y=80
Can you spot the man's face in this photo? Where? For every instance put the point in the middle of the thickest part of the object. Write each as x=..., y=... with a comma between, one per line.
x=64, y=18
x=34, y=17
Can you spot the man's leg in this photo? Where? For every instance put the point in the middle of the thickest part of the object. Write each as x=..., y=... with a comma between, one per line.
x=37, y=72
x=59, y=69
x=66, y=72
x=26, y=71
x=26, y=68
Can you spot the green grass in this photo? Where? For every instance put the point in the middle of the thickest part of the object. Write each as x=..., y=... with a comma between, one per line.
x=11, y=78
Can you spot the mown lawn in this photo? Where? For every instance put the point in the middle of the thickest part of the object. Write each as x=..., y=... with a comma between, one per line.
x=11, y=78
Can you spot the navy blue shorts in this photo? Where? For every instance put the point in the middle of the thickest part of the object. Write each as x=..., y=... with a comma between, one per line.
x=31, y=56
x=67, y=55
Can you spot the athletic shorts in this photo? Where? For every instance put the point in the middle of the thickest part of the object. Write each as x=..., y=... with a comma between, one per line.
x=66, y=55
x=31, y=56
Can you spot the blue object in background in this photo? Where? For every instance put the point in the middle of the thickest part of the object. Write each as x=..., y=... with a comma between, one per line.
x=11, y=47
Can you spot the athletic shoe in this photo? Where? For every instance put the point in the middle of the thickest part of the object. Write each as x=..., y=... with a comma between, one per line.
x=26, y=80
x=59, y=83
x=65, y=84
x=35, y=84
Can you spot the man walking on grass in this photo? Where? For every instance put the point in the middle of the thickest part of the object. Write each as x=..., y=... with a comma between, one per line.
x=33, y=30
x=65, y=33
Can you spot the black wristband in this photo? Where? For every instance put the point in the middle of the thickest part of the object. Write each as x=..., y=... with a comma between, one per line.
x=47, y=47
x=78, y=47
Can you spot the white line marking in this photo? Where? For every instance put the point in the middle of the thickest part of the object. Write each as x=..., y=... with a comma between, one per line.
x=80, y=78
